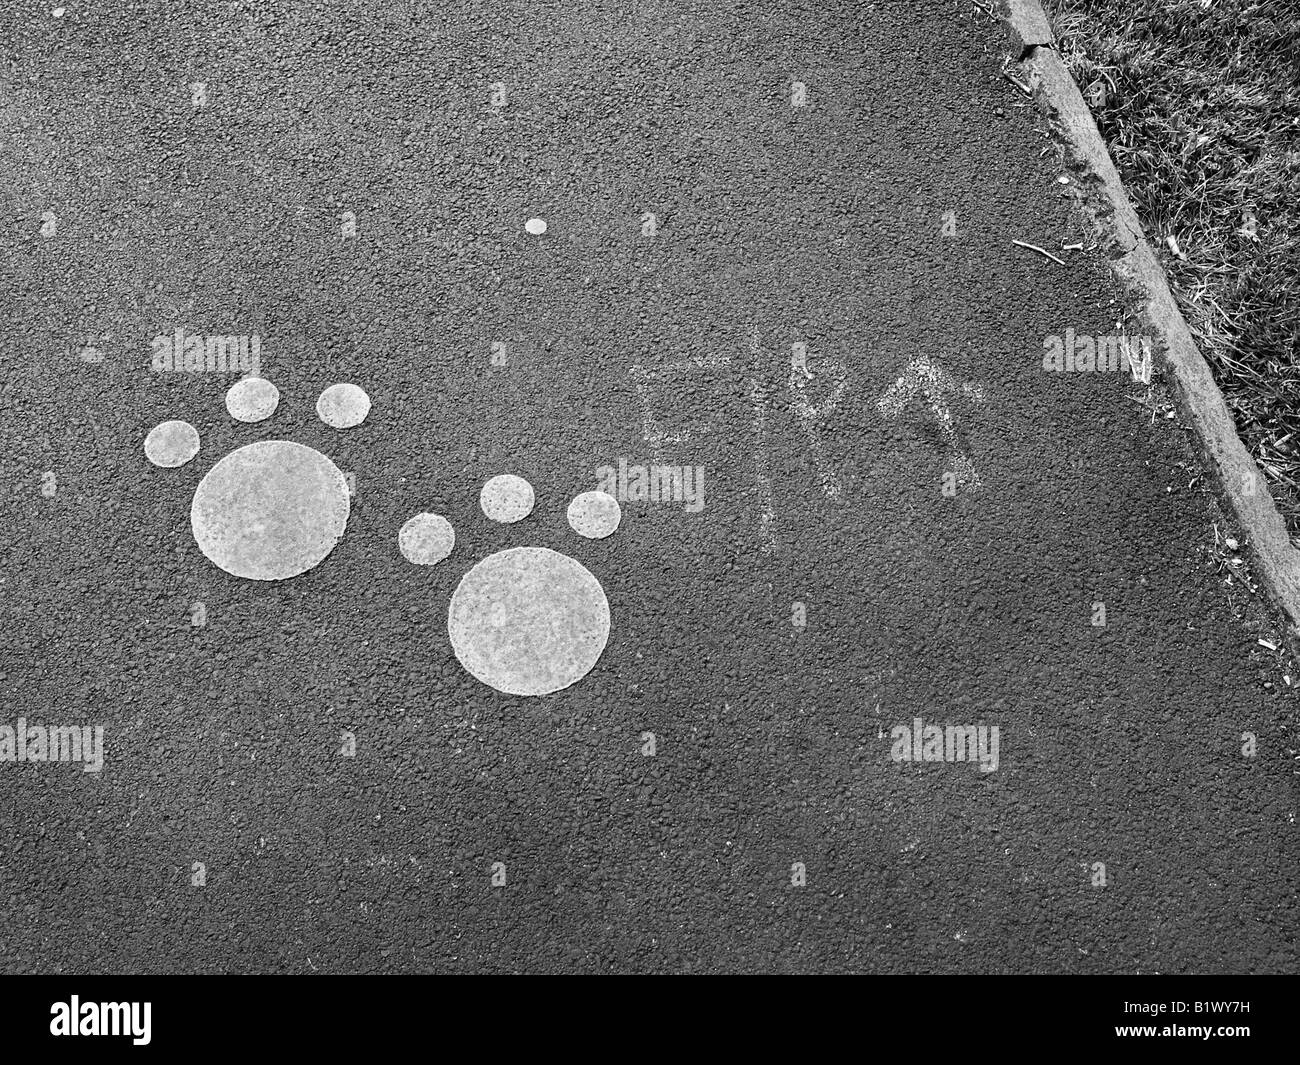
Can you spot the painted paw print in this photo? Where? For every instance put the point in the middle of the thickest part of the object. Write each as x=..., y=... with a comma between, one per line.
x=525, y=620
x=272, y=509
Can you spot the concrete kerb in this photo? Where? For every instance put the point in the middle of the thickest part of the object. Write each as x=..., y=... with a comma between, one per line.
x=1239, y=481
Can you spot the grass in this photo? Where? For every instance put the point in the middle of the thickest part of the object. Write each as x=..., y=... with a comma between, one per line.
x=1199, y=104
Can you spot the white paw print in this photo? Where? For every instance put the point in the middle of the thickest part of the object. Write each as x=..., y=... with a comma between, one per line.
x=272, y=509
x=525, y=620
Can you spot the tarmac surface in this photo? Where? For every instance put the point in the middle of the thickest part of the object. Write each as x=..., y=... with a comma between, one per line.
x=351, y=185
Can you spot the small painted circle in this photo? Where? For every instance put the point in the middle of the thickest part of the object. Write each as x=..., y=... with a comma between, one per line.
x=426, y=539
x=343, y=406
x=594, y=515
x=506, y=498
x=528, y=621
x=252, y=399
x=535, y=226
x=171, y=444
x=270, y=510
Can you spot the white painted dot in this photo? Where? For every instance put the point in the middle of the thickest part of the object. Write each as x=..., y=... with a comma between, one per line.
x=270, y=510
x=528, y=621
x=252, y=399
x=171, y=444
x=535, y=226
x=507, y=498
x=343, y=406
x=594, y=515
x=58, y=12
x=426, y=539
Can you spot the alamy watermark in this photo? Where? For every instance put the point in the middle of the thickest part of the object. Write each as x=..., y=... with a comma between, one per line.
x=53, y=743
x=74, y=1017
x=198, y=353
x=1081, y=353
x=920, y=742
x=653, y=483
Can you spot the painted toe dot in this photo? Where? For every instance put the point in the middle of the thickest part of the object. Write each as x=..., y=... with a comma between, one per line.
x=594, y=515
x=171, y=444
x=535, y=226
x=506, y=498
x=270, y=510
x=252, y=399
x=343, y=406
x=528, y=621
x=426, y=539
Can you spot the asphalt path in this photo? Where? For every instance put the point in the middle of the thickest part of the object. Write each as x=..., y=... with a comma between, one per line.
x=865, y=213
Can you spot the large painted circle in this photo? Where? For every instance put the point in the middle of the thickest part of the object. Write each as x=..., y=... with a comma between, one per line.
x=270, y=510
x=528, y=621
